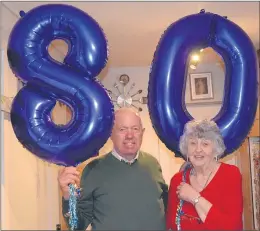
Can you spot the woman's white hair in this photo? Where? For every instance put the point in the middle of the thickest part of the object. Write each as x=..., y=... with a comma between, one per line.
x=206, y=129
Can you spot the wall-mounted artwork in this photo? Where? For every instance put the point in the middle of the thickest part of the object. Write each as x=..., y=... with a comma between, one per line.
x=201, y=86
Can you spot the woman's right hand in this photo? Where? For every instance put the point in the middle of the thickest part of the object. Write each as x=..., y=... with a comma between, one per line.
x=186, y=192
x=66, y=176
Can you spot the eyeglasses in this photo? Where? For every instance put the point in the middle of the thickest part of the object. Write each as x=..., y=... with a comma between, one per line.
x=191, y=218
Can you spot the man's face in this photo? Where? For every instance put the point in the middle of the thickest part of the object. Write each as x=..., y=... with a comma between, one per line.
x=127, y=133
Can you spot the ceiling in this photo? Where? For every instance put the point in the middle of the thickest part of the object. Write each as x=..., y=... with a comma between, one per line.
x=133, y=29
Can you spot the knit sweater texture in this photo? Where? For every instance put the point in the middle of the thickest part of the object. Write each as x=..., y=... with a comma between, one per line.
x=119, y=196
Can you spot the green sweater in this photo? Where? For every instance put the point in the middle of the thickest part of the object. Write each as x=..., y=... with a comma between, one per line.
x=119, y=196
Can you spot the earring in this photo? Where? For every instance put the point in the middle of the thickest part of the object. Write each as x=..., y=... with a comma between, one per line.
x=187, y=159
x=216, y=158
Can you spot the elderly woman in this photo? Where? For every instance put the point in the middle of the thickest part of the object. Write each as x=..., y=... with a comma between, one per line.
x=207, y=194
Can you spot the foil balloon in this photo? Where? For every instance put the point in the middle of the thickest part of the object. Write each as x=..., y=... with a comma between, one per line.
x=166, y=91
x=72, y=82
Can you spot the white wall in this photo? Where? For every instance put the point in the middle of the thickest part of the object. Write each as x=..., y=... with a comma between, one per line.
x=30, y=184
x=30, y=190
x=29, y=187
x=151, y=143
x=1, y=139
x=206, y=108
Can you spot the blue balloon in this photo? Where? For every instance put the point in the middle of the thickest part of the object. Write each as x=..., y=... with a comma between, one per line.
x=166, y=91
x=72, y=82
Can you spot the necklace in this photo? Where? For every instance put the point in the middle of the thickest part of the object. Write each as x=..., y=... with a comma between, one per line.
x=192, y=172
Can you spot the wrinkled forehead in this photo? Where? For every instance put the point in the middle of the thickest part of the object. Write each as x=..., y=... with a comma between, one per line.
x=209, y=135
x=127, y=119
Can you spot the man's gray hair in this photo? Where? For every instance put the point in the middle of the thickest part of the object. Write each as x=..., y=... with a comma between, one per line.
x=206, y=129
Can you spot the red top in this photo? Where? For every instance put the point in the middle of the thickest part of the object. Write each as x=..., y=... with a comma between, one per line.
x=224, y=192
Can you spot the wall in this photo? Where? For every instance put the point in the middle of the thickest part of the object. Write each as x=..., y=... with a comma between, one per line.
x=30, y=197
x=207, y=108
x=29, y=186
x=151, y=143
x=29, y=189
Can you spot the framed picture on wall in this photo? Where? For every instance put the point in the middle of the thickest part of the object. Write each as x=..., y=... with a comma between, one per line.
x=201, y=86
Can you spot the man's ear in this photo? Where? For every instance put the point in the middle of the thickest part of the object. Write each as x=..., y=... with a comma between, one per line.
x=112, y=134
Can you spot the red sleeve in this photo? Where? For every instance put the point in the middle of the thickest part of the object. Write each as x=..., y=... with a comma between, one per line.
x=229, y=216
x=172, y=201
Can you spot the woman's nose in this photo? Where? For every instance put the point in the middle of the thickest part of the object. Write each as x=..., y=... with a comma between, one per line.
x=198, y=148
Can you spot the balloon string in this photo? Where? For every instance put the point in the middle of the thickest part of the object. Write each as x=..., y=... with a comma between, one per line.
x=179, y=211
x=73, y=220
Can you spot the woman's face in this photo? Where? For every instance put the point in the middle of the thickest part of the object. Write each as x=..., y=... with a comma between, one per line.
x=200, y=151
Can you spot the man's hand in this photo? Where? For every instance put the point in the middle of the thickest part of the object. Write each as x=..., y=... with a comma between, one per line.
x=68, y=175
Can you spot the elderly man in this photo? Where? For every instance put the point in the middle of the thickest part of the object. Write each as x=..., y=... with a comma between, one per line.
x=122, y=190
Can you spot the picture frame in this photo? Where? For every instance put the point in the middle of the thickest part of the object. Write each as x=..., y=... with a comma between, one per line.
x=201, y=86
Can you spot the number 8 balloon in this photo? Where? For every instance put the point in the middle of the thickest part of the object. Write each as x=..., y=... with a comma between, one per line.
x=166, y=100
x=72, y=82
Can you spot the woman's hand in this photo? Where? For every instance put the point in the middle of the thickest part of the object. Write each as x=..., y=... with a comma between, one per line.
x=186, y=192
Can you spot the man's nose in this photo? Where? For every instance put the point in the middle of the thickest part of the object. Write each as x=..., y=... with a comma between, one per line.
x=129, y=133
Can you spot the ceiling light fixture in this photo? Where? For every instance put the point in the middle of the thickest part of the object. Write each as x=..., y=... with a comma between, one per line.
x=195, y=58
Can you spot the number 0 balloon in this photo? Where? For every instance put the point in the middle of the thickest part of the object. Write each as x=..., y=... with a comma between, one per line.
x=72, y=82
x=166, y=90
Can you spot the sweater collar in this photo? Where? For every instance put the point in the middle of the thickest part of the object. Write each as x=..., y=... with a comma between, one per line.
x=122, y=159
